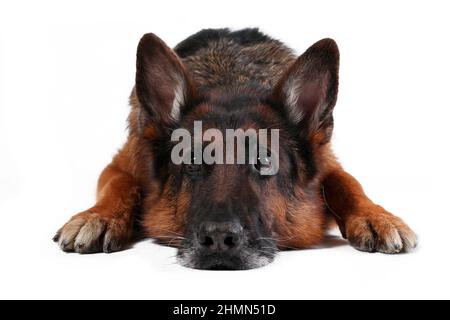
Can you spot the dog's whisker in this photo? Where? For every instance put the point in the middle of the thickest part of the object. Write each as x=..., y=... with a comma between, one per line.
x=264, y=251
x=275, y=239
x=171, y=237
x=168, y=231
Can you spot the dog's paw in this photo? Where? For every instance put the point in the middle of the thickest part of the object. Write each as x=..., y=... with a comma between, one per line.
x=91, y=231
x=376, y=230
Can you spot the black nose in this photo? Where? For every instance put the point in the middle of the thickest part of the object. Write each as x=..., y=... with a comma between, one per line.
x=220, y=236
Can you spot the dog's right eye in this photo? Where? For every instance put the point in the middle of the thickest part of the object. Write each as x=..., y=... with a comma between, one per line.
x=192, y=168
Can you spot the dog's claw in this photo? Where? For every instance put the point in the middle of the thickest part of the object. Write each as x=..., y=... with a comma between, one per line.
x=56, y=237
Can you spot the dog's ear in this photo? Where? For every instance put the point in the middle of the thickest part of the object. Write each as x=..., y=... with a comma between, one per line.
x=163, y=85
x=308, y=89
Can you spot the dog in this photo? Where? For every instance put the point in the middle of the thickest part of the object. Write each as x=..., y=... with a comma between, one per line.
x=230, y=216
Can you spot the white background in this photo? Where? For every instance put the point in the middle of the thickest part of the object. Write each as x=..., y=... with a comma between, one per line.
x=65, y=76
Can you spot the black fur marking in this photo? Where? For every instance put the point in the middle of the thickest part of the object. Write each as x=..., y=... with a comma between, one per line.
x=199, y=40
x=204, y=37
x=307, y=156
x=299, y=135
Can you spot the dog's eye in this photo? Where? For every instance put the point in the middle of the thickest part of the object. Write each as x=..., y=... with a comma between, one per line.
x=262, y=163
x=192, y=168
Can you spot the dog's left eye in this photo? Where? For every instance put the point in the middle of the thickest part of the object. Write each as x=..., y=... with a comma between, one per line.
x=262, y=163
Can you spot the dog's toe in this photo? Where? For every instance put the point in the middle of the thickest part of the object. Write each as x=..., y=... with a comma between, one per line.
x=380, y=231
x=90, y=232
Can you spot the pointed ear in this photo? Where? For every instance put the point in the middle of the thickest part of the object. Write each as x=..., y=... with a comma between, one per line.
x=308, y=89
x=163, y=86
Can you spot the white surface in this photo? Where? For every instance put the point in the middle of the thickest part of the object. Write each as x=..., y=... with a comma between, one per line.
x=67, y=70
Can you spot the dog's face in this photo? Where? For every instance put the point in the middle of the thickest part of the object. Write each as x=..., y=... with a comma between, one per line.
x=234, y=213
x=229, y=221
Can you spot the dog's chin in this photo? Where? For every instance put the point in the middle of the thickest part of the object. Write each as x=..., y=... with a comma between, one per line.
x=245, y=260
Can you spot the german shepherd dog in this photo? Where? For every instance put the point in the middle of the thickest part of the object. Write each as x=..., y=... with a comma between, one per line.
x=229, y=216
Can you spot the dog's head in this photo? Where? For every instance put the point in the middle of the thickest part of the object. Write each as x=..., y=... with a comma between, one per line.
x=225, y=205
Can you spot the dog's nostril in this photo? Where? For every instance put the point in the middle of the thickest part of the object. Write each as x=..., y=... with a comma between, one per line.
x=219, y=237
x=207, y=241
x=229, y=241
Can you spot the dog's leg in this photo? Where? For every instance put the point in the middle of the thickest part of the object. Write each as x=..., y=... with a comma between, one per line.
x=367, y=226
x=108, y=225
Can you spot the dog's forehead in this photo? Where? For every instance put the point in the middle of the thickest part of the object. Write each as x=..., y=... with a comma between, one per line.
x=243, y=113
